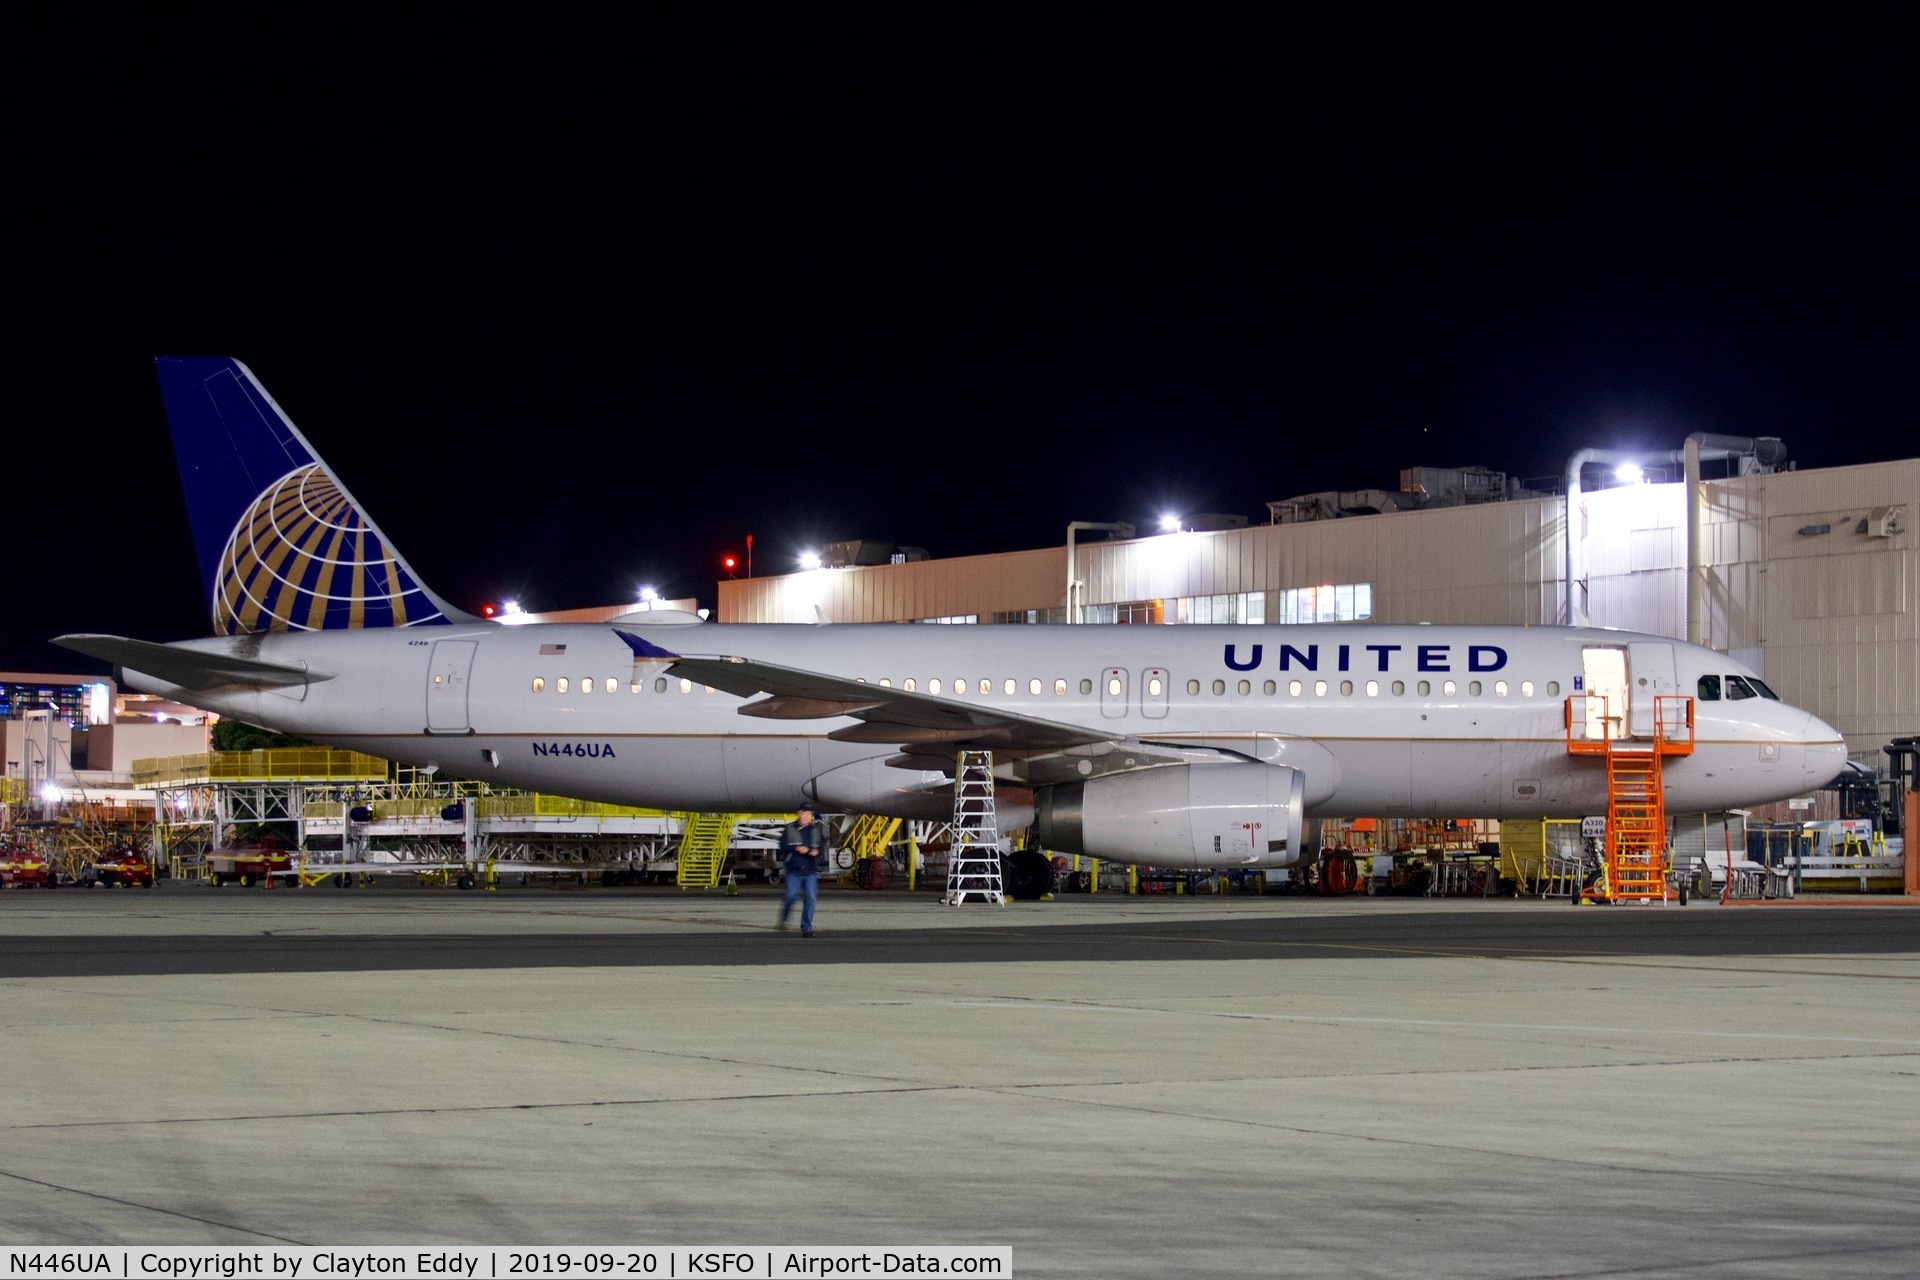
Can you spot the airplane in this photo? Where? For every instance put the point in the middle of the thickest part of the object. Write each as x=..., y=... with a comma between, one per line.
x=1181, y=747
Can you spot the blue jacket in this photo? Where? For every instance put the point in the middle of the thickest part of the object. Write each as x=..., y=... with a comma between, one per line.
x=805, y=847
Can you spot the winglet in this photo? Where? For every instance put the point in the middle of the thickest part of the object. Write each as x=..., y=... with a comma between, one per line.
x=643, y=649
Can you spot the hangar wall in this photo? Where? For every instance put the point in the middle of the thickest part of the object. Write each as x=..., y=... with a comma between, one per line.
x=1827, y=614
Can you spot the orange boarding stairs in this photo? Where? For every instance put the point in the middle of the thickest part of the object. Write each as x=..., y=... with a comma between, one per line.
x=1636, y=840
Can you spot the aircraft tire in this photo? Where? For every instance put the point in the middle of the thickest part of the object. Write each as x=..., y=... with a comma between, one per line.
x=1029, y=875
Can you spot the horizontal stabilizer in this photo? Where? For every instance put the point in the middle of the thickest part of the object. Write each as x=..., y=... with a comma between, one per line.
x=187, y=668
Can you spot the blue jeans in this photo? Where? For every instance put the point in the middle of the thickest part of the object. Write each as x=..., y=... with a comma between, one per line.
x=806, y=888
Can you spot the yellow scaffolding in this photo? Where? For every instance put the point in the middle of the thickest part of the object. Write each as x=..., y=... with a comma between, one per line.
x=283, y=764
x=704, y=840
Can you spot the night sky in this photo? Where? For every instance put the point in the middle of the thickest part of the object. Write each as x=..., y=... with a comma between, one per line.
x=573, y=304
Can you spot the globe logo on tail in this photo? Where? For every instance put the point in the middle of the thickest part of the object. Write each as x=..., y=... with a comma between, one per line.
x=304, y=558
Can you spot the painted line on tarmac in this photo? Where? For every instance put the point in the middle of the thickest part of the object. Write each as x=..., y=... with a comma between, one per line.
x=1068, y=1007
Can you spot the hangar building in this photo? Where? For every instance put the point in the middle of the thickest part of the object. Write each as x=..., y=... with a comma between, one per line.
x=1811, y=577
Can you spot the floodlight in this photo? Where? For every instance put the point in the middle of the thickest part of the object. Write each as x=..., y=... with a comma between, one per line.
x=1169, y=524
x=1629, y=473
x=809, y=559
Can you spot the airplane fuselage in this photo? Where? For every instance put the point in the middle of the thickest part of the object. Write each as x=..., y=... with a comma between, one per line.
x=1382, y=720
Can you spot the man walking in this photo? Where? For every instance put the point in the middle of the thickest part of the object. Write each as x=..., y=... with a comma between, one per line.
x=804, y=844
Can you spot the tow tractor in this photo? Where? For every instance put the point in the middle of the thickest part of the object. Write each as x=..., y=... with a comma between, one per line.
x=22, y=868
x=248, y=864
x=123, y=866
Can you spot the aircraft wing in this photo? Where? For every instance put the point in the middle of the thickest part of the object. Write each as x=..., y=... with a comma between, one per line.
x=927, y=729
x=188, y=668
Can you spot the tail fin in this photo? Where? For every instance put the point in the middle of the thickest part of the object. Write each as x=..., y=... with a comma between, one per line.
x=283, y=546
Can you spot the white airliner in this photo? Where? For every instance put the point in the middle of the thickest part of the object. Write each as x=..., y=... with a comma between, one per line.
x=1176, y=746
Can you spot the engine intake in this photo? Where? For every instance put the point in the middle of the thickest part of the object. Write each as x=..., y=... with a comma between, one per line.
x=1183, y=815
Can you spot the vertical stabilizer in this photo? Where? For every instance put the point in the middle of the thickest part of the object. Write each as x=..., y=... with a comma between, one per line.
x=283, y=546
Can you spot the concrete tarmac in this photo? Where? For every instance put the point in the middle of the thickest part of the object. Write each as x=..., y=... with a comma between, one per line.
x=1112, y=1086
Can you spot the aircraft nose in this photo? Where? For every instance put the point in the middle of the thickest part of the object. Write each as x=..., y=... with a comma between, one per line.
x=1825, y=751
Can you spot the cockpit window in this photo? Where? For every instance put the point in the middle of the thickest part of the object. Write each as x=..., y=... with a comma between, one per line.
x=1760, y=687
x=1738, y=689
x=1709, y=688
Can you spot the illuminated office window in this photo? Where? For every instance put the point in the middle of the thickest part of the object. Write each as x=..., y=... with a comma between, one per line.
x=1346, y=602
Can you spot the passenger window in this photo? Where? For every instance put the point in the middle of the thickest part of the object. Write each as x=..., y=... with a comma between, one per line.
x=1319, y=688
x=1113, y=687
x=660, y=684
x=1193, y=687
x=1425, y=687
x=908, y=684
x=560, y=685
x=1373, y=688
x=586, y=685
x=1709, y=689
x=1293, y=688
x=1267, y=688
x=959, y=687
x=1473, y=688
x=1553, y=688
x=1086, y=686
x=1033, y=687
x=933, y=685
x=686, y=686
x=1346, y=688
x=986, y=686
x=1154, y=687
x=886, y=682
x=1526, y=688
x=1448, y=688
x=539, y=684
x=1059, y=688
x=1499, y=688
x=1219, y=687
x=1399, y=688
x=635, y=687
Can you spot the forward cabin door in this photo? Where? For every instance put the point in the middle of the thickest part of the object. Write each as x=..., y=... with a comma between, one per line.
x=448, y=671
x=1651, y=666
x=1604, y=675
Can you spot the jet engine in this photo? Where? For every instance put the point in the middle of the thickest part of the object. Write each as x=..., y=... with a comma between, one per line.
x=1182, y=815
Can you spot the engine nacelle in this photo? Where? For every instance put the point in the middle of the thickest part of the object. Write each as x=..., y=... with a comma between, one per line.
x=1181, y=815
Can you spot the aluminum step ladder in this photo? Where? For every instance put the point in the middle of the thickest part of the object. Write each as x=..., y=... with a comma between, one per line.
x=973, y=859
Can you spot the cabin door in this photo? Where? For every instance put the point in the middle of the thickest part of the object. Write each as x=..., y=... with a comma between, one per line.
x=1604, y=681
x=1651, y=666
x=448, y=671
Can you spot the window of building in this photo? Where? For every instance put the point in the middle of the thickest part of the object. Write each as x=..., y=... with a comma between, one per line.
x=1242, y=607
x=1346, y=602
